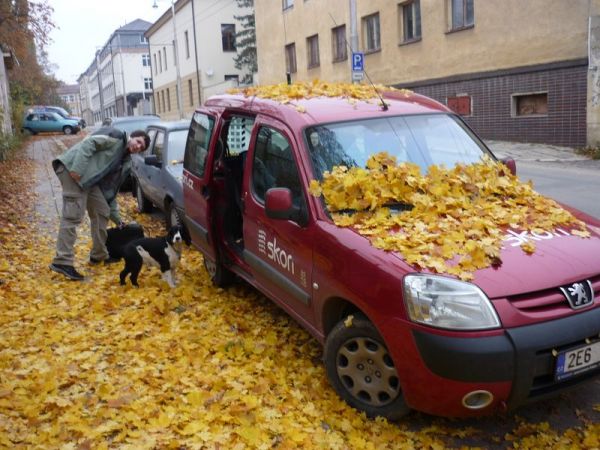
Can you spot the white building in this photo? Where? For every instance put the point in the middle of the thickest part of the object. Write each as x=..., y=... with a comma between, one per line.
x=195, y=61
x=7, y=61
x=69, y=94
x=118, y=81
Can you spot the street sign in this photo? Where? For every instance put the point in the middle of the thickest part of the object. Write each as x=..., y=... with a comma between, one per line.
x=358, y=76
x=358, y=61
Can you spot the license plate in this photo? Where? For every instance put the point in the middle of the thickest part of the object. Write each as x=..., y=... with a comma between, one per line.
x=575, y=361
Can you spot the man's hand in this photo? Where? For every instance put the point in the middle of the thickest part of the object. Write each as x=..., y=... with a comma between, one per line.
x=75, y=176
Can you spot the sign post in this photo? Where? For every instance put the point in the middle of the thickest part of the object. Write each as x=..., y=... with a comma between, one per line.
x=358, y=66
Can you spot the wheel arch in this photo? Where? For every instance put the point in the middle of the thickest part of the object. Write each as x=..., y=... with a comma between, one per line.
x=334, y=310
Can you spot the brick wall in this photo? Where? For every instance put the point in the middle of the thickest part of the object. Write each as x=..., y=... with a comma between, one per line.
x=565, y=123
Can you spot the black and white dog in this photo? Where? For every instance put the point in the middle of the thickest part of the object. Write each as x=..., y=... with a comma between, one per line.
x=162, y=252
x=118, y=238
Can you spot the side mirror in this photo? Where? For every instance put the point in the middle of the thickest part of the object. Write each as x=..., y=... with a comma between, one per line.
x=510, y=163
x=152, y=160
x=279, y=205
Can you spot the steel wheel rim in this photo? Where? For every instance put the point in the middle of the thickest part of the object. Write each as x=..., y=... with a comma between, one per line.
x=68, y=130
x=211, y=267
x=139, y=196
x=174, y=217
x=367, y=371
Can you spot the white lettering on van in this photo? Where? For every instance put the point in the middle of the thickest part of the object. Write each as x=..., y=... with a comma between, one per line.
x=275, y=253
x=187, y=181
x=517, y=238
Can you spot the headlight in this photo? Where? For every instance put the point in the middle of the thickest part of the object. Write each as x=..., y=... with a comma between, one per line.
x=447, y=303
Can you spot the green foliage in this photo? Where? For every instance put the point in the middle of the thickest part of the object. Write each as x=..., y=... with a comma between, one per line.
x=8, y=143
x=591, y=151
x=245, y=42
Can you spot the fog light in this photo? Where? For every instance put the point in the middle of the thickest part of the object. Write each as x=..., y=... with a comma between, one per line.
x=477, y=399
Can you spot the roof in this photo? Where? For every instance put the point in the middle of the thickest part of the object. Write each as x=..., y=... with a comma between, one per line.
x=136, y=25
x=311, y=111
x=169, y=126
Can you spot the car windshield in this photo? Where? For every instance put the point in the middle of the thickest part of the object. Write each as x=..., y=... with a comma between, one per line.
x=177, y=141
x=425, y=140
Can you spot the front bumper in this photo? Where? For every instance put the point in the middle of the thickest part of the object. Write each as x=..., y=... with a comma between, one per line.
x=522, y=358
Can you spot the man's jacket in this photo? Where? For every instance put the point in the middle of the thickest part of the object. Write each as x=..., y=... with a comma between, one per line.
x=103, y=161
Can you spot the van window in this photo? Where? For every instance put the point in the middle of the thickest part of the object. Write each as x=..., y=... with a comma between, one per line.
x=238, y=134
x=274, y=166
x=198, y=140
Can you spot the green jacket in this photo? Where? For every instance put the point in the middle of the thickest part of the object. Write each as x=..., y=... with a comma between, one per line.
x=102, y=161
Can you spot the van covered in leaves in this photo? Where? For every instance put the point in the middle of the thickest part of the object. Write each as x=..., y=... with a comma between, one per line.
x=435, y=279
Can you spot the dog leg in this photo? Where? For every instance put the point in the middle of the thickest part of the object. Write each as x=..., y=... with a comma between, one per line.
x=168, y=277
x=123, y=276
x=134, y=276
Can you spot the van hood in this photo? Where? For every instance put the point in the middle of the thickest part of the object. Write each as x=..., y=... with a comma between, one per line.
x=559, y=258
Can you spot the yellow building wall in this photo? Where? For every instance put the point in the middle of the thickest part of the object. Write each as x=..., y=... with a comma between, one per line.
x=506, y=34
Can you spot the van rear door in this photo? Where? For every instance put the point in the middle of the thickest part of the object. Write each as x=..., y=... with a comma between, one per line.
x=197, y=176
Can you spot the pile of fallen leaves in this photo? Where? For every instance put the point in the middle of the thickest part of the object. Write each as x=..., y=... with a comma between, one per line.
x=451, y=220
x=95, y=365
x=285, y=93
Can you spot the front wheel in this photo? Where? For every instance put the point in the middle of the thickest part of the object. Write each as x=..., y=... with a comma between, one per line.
x=361, y=370
x=68, y=130
x=172, y=218
x=143, y=204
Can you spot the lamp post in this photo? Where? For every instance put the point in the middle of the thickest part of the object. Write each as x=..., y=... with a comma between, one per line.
x=176, y=52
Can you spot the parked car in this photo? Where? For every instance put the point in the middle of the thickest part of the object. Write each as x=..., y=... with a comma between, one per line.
x=396, y=336
x=40, y=122
x=128, y=123
x=60, y=111
x=157, y=172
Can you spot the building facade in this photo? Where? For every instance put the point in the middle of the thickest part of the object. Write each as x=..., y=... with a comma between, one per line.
x=118, y=81
x=7, y=61
x=514, y=70
x=192, y=46
x=69, y=94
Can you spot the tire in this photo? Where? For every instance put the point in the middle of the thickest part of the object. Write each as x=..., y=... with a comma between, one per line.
x=361, y=370
x=219, y=275
x=28, y=132
x=143, y=204
x=68, y=130
x=171, y=215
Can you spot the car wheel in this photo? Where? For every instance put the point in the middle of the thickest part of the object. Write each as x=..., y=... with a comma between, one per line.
x=143, y=204
x=361, y=370
x=68, y=130
x=28, y=131
x=218, y=273
x=171, y=215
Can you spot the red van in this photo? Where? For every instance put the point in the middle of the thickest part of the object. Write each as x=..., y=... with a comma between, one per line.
x=515, y=333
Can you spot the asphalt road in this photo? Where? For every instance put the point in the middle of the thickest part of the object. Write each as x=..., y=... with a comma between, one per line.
x=575, y=184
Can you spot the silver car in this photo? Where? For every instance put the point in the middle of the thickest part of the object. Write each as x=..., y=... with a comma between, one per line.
x=157, y=172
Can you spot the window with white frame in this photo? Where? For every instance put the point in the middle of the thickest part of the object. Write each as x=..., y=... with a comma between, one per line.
x=155, y=65
x=338, y=42
x=165, y=56
x=287, y=3
x=228, y=37
x=145, y=60
x=462, y=14
x=371, y=33
x=411, y=20
x=312, y=48
x=290, y=58
x=143, y=39
x=148, y=84
x=187, y=45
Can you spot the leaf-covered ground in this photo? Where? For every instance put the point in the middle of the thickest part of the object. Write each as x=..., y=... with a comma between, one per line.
x=95, y=365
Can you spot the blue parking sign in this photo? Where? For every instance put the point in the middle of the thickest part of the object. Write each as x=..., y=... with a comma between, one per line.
x=358, y=61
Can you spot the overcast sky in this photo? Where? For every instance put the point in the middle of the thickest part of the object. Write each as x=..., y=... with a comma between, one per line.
x=84, y=25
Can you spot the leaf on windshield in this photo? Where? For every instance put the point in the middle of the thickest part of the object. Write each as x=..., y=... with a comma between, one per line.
x=453, y=220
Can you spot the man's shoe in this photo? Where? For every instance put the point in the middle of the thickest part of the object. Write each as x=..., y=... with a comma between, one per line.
x=108, y=260
x=67, y=271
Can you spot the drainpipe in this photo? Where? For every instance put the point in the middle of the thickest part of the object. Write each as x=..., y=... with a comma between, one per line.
x=196, y=54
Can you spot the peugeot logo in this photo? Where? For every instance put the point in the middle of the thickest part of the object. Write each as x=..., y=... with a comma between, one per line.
x=579, y=295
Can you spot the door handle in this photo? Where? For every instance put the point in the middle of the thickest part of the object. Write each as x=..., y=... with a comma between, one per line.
x=205, y=191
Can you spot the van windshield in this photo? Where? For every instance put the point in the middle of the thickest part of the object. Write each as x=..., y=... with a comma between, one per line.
x=424, y=140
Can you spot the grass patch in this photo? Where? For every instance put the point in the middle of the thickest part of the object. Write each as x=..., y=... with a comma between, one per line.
x=591, y=152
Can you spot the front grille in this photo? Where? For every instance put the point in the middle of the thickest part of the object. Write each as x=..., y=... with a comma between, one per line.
x=548, y=299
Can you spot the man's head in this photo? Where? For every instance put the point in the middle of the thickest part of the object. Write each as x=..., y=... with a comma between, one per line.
x=138, y=141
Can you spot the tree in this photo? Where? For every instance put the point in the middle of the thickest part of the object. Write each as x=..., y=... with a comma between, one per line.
x=245, y=41
x=25, y=26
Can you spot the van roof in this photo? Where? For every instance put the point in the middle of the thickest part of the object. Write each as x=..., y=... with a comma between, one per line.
x=305, y=112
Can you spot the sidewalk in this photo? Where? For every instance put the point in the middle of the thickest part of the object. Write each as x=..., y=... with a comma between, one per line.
x=534, y=152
